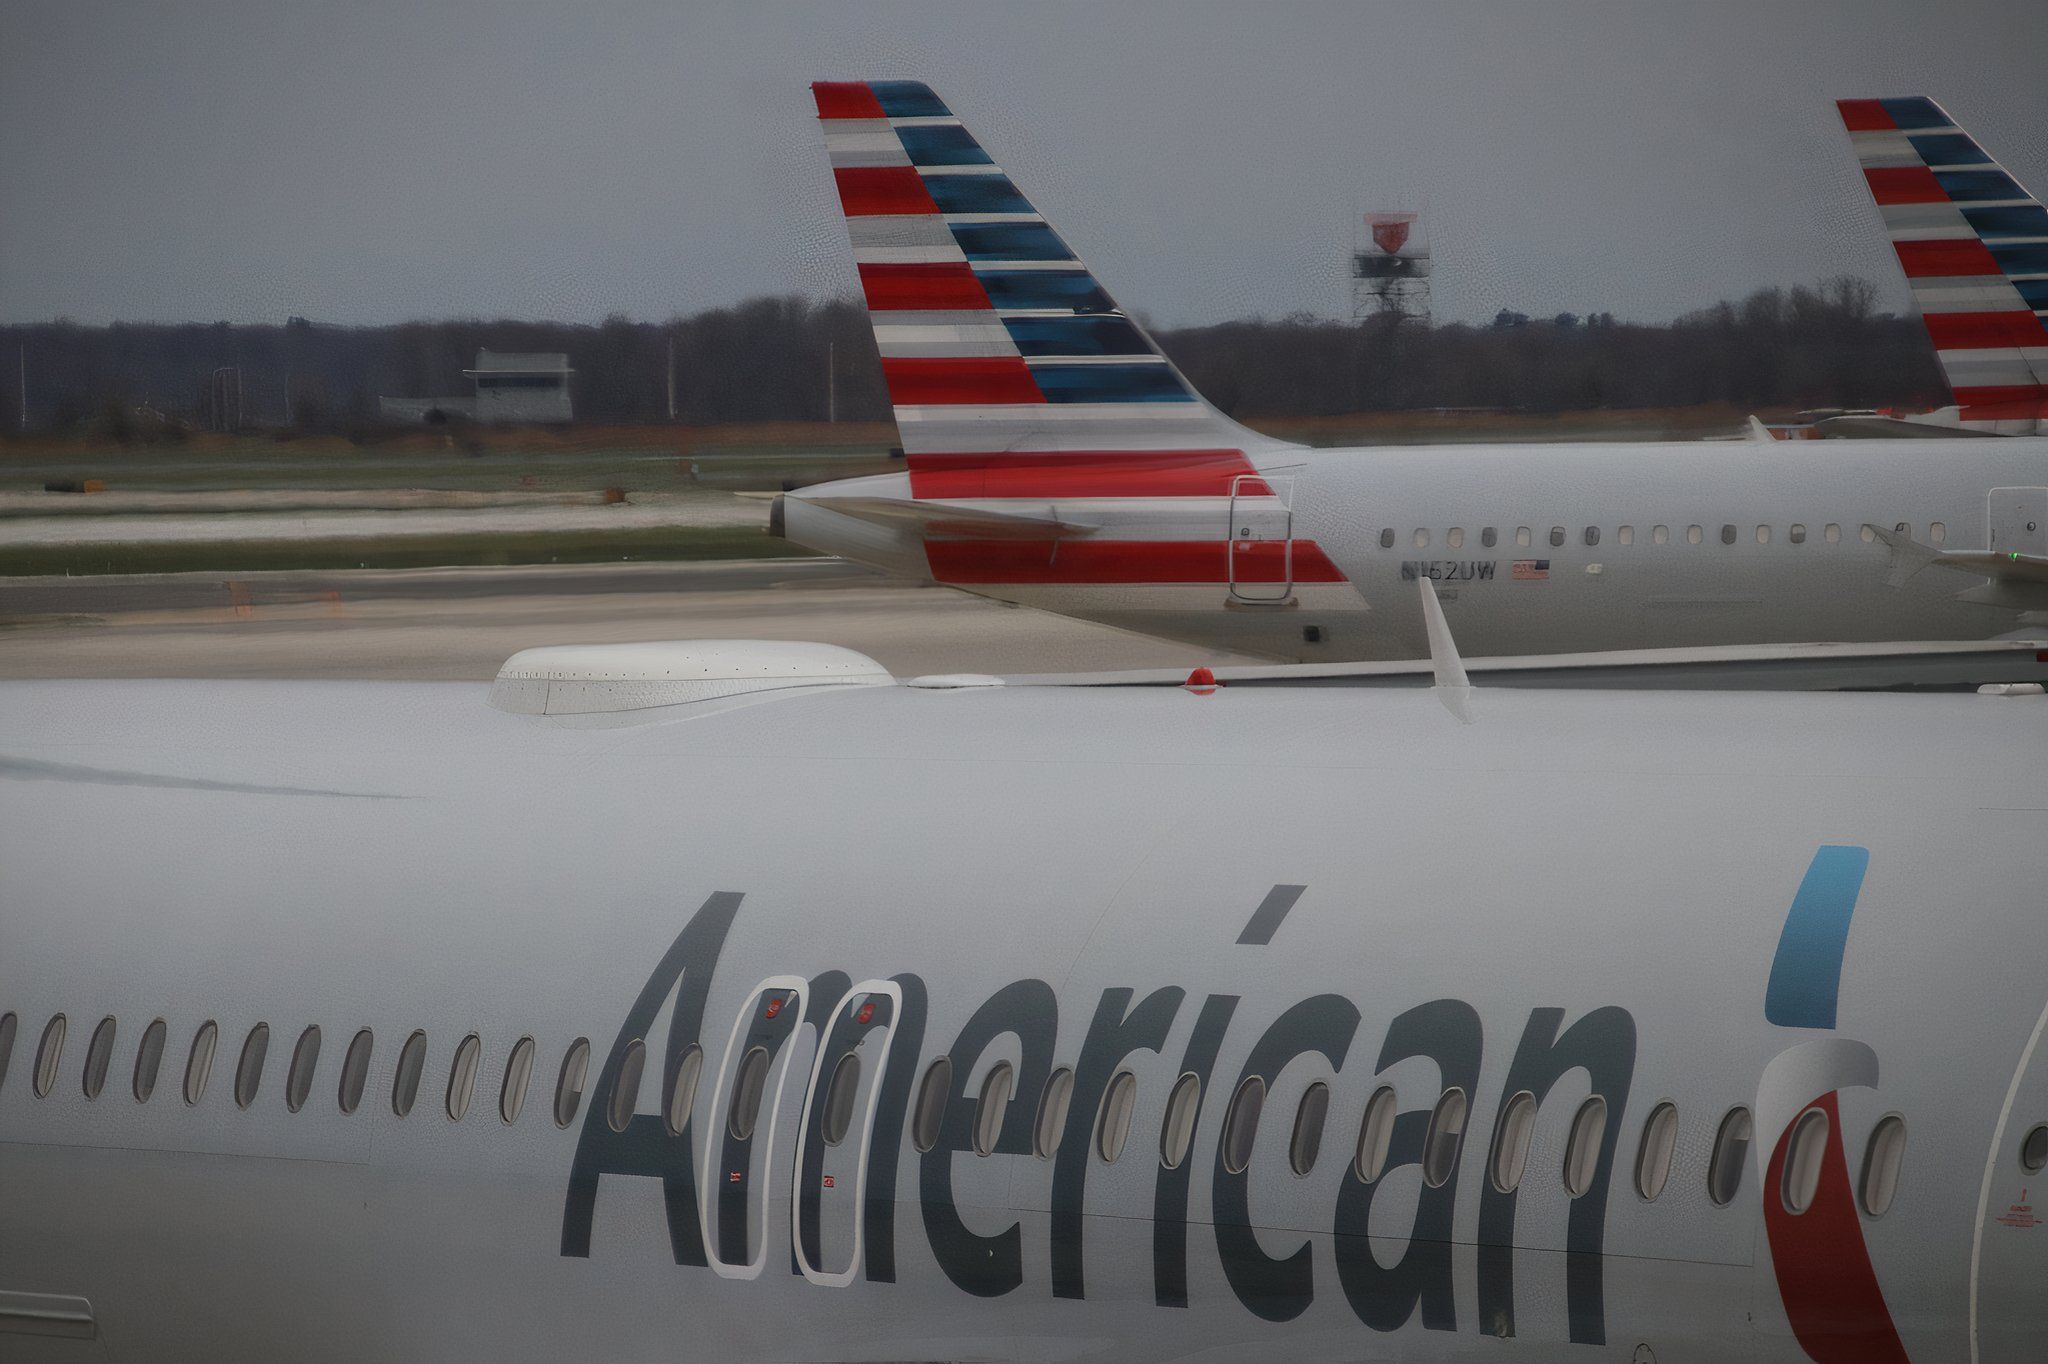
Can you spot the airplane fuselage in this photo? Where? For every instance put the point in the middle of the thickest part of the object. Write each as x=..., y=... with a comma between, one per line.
x=1769, y=905
x=1536, y=549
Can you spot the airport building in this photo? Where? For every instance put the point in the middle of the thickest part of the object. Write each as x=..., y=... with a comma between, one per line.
x=509, y=388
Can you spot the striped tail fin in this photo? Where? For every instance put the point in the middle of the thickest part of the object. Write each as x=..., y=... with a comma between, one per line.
x=1974, y=246
x=995, y=338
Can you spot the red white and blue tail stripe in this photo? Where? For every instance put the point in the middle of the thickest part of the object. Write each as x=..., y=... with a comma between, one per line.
x=1054, y=456
x=994, y=336
x=1974, y=246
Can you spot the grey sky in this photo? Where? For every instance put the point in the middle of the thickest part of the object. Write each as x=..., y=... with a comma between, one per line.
x=371, y=162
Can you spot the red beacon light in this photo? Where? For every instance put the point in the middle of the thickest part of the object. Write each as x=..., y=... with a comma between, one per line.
x=1202, y=682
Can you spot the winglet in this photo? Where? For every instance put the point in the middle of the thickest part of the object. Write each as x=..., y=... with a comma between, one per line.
x=1758, y=431
x=1453, y=688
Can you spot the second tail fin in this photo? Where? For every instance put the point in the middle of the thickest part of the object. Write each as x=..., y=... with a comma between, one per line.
x=1973, y=244
x=995, y=338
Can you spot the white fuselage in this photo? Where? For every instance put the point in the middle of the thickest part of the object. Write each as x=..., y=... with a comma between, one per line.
x=1574, y=895
x=1594, y=547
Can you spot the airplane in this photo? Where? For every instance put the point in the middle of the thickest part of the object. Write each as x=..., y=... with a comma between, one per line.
x=736, y=1000
x=1056, y=458
x=1973, y=243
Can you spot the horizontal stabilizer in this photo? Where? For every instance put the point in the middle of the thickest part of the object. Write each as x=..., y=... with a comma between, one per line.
x=941, y=519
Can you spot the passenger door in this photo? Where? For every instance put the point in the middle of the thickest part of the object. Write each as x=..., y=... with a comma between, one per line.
x=1262, y=538
x=2011, y=1260
x=739, y=1139
x=837, y=1129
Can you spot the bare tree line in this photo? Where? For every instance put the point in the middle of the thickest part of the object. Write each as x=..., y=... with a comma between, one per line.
x=796, y=359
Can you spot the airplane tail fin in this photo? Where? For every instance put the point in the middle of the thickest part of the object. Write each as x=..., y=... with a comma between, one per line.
x=1974, y=245
x=995, y=337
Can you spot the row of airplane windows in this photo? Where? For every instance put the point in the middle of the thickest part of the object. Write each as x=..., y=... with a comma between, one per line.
x=1796, y=533
x=1514, y=1129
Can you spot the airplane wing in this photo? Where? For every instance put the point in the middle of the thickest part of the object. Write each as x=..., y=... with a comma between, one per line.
x=1877, y=425
x=1909, y=557
x=943, y=519
x=1945, y=663
x=2022, y=568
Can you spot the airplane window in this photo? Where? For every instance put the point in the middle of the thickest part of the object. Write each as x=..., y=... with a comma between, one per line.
x=1241, y=1123
x=298, y=1081
x=1375, y=1135
x=1556, y=536
x=1763, y=535
x=1796, y=533
x=1052, y=1112
x=249, y=1070
x=625, y=1096
x=1592, y=534
x=1178, y=1132
x=149, y=1059
x=1582, y=1150
x=1727, y=535
x=569, y=1084
x=1831, y=533
x=683, y=1099
x=839, y=1096
x=518, y=1075
x=931, y=1104
x=995, y=1102
x=355, y=1071
x=1653, y=1156
x=748, y=1089
x=462, y=1076
x=1307, y=1142
x=1869, y=533
x=1802, y=1160
x=48, y=1055
x=1446, y=1134
x=1456, y=539
x=1113, y=1124
x=1881, y=1161
x=2034, y=1149
x=1660, y=535
x=1626, y=535
x=405, y=1086
x=199, y=1066
x=1904, y=529
x=1731, y=1149
x=98, y=1053
x=1387, y=538
x=1522, y=536
x=1489, y=537
x=1422, y=539
x=1692, y=535
x=1937, y=533
x=1511, y=1137
x=8, y=1025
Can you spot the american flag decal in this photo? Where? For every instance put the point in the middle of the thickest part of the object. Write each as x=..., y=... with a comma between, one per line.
x=1530, y=570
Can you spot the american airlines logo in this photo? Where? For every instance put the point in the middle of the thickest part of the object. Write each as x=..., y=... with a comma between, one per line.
x=720, y=1228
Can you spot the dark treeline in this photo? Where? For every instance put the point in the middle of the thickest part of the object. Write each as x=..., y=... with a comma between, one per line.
x=792, y=359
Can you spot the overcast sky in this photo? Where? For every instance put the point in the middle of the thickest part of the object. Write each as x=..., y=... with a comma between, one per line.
x=371, y=162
